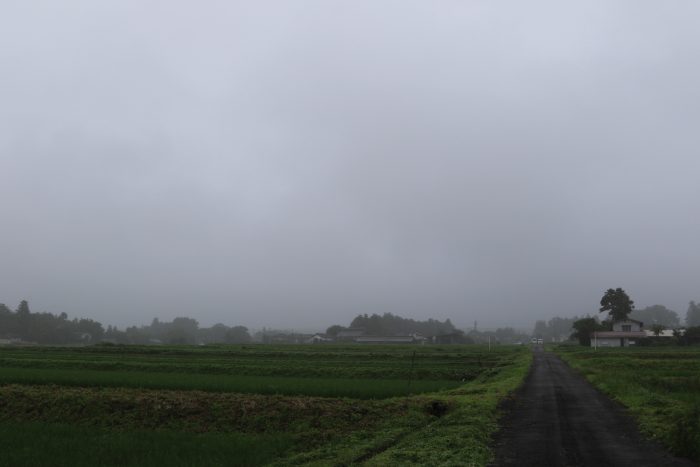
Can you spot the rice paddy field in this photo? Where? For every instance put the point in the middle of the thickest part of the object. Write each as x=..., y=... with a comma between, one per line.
x=659, y=385
x=254, y=404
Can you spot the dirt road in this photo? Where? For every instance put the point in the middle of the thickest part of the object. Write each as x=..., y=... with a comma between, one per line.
x=558, y=419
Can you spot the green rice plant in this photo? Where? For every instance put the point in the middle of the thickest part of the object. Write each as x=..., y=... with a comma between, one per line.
x=457, y=363
x=325, y=387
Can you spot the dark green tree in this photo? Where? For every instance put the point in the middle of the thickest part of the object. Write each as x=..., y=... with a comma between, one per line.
x=390, y=324
x=617, y=303
x=584, y=329
x=183, y=330
x=691, y=336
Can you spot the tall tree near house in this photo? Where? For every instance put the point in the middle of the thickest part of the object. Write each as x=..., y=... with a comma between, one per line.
x=617, y=303
x=584, y=329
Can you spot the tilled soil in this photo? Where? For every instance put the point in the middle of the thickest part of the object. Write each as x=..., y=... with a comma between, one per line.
x=558, y=419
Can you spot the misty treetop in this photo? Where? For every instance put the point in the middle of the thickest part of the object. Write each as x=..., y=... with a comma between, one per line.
x=692, y=316
x=617, y=303
x=656, y=315
x=557, y=329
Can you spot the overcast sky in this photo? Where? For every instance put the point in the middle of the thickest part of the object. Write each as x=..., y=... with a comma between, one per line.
x=295, y=163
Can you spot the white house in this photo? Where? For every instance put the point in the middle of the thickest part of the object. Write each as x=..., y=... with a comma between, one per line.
x=625, y=333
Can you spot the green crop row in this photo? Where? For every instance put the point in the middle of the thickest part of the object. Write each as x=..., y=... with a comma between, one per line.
x=435, y=370
x=333, y=351
x=252, y=384
x=428, y=363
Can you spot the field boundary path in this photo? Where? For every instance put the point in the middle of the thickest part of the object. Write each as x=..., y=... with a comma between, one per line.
x=557, y=418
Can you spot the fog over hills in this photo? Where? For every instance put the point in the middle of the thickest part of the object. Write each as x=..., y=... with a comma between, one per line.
x=294, y=164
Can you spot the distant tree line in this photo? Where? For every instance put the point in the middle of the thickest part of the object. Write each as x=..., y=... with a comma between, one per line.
x=392, y=325
x=556, y=329
x=389, y=324
x=181, y=330
x=47, y=328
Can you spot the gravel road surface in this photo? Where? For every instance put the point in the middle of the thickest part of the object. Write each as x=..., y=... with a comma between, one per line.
x=558, y=419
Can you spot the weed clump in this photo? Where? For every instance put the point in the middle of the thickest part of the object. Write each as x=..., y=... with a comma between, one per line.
x=437, y=408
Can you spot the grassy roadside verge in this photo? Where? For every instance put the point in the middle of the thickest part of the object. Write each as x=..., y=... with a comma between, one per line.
x=659, y=386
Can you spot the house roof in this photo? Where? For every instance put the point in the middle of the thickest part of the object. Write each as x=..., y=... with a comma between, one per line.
x=618, y=334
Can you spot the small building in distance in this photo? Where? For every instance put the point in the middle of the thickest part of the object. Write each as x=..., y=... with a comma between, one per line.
x=625, y=333
x=412, y=339
x=319, y=338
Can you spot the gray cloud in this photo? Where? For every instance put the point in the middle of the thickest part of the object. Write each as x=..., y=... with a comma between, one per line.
x=297, y=163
